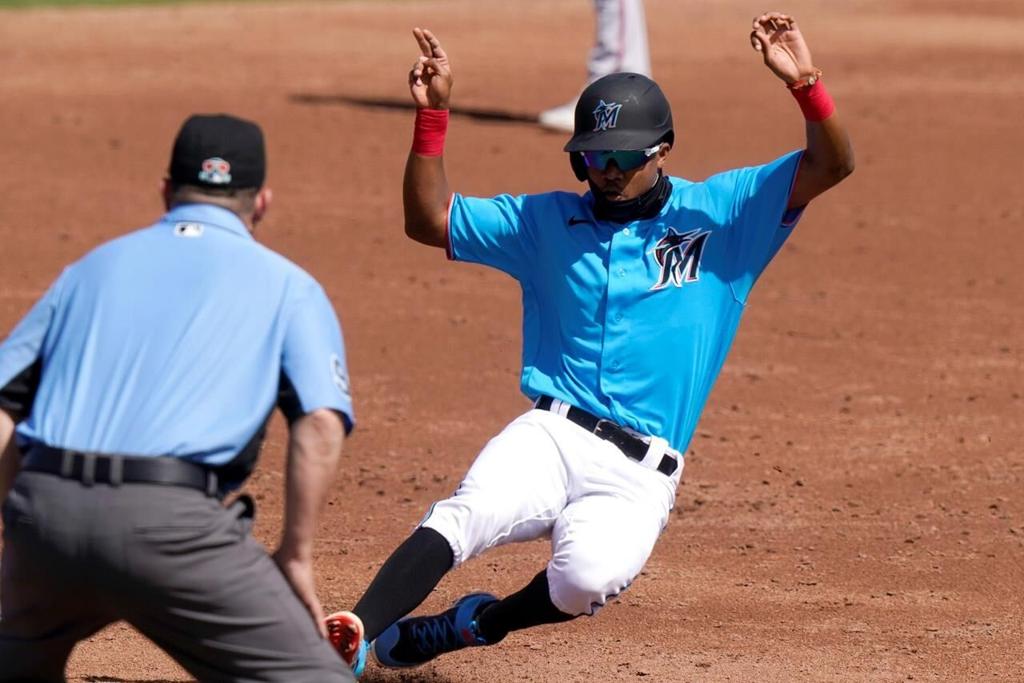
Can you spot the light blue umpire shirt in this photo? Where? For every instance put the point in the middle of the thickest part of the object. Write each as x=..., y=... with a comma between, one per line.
x=178, y=339
x=632, y=322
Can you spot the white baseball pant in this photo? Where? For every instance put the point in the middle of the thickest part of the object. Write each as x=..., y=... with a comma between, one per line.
x=545, y=476
x=620, y=41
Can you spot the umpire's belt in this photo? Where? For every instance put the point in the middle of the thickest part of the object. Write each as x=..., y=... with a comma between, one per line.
x=634, y=445
x=97, y=468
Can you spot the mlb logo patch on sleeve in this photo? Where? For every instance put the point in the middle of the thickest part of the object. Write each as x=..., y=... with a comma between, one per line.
x=339, y=375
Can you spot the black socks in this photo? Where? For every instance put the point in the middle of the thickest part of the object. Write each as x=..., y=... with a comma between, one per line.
x=416, y=567
x=531, y=606
x=404, y=581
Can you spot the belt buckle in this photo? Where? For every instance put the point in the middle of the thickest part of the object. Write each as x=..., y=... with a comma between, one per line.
x=601, y=426
x=639, y=436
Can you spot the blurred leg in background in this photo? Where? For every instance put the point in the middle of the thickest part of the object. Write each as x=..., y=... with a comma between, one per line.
x=620, y=44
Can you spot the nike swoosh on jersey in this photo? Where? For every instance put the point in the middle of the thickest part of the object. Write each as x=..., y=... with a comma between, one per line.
x=576, y=221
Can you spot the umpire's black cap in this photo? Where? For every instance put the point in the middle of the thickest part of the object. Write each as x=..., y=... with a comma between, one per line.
x=622, y=111
x=219, y=151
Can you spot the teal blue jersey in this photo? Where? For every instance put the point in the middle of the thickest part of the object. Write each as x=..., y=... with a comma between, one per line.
x=632, y=322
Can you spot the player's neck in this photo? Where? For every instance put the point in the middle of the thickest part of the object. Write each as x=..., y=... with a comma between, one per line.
x=647, y=205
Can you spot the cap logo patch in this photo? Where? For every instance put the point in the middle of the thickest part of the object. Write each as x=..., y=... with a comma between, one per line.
x=606, y=115
x=215, y=171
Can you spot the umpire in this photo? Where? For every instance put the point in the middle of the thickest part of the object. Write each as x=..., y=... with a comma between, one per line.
x=134, y=395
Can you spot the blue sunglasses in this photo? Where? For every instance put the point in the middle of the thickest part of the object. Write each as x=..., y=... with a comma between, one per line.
x=625, y=159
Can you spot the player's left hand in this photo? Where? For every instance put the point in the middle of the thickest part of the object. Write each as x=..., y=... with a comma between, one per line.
x=299, y=573
x=776, y=36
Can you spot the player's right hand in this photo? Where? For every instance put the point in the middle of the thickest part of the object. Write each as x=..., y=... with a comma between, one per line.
x=430, y=80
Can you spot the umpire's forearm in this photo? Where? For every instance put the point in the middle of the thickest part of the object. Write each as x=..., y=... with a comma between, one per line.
x=10, y=457
x=314, y=449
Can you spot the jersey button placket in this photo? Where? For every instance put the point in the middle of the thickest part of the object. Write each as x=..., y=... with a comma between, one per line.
x=616, y=325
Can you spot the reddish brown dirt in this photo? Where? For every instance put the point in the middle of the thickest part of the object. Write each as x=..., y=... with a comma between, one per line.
x=852, y=505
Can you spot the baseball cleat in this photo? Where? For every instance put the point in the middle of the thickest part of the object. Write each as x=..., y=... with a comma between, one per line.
x=561, y=118
x=417, y=640
x=345, y=631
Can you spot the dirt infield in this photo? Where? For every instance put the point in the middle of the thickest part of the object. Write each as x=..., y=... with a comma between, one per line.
x=851, y=508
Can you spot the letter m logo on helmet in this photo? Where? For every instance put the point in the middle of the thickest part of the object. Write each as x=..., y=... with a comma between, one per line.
x=606, y=115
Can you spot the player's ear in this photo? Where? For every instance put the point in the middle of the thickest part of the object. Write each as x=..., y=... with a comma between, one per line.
x=663, y=153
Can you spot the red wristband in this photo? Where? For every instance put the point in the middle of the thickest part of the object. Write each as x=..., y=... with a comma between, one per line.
x=814, y=101
x=428, y=136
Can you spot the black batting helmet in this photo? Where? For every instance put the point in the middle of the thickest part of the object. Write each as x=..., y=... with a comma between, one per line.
x=621, y=111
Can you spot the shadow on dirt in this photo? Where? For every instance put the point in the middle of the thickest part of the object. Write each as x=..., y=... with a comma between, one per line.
x=476, y=113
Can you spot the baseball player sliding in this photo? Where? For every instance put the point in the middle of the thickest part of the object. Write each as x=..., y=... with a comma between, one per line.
x=632, y=293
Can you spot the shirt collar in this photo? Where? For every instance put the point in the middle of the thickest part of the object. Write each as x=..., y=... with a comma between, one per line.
x=208, y=214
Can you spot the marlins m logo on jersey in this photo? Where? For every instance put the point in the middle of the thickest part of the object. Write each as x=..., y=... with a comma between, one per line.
x=606, y=115
x=678, y=256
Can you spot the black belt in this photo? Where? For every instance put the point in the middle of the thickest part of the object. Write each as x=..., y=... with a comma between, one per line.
x=97, y=468
x=631, y=445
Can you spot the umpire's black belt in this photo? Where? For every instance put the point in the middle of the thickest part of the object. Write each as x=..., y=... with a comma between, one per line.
x=633, y=445
x=98, y=468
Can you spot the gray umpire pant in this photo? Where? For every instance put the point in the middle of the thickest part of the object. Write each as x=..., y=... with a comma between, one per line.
x=171, y=561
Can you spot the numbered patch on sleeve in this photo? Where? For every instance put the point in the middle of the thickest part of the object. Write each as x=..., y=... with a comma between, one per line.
x=339, y=375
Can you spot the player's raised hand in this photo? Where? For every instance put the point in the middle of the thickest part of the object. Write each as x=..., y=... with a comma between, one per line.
x=776, y=36
x=430, y=80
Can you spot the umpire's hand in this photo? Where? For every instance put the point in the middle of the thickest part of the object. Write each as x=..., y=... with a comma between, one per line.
x=299, y=573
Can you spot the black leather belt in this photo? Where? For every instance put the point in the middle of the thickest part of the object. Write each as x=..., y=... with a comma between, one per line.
x=633, y=446
x=97, y=468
